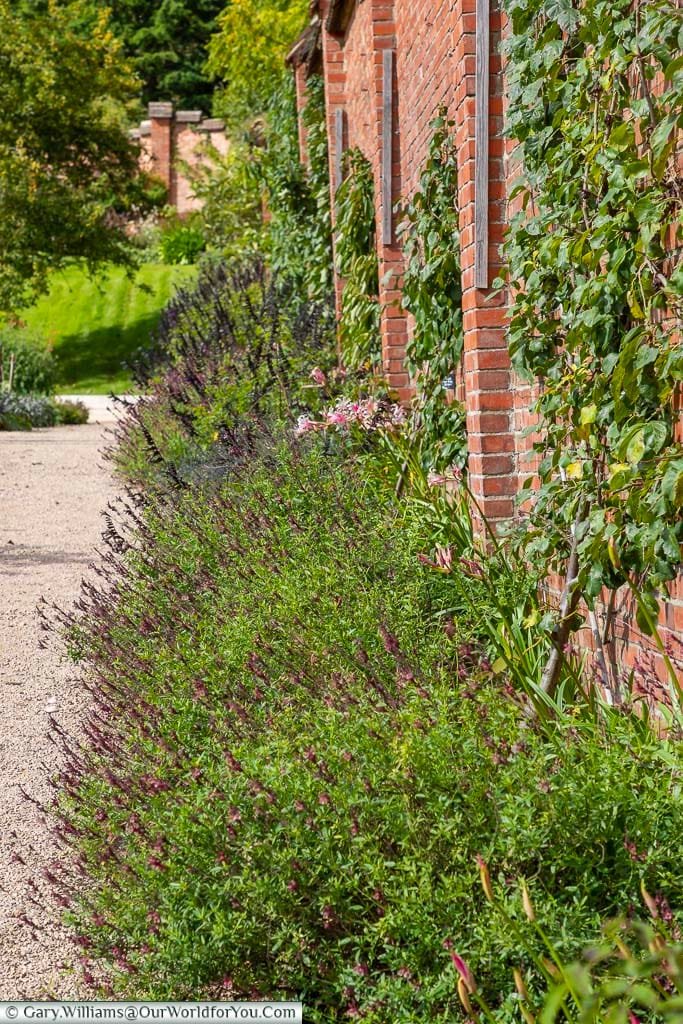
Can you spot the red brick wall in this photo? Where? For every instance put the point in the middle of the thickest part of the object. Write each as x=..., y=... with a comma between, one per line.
x=434, y=52
x=171, y=141
x=426, y=76
x=434, y=47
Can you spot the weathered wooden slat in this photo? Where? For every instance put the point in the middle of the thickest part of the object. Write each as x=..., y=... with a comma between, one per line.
x=481, y=147
x=338, y=148
x=387, y=147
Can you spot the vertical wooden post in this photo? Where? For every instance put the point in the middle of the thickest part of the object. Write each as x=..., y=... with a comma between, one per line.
x=387, y=147
x=481, y=147
x=338, y=148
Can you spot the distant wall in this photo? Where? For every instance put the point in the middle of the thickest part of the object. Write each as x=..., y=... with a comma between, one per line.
x=172, y=140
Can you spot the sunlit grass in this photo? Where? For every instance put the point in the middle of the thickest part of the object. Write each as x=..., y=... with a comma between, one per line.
x=94, y=324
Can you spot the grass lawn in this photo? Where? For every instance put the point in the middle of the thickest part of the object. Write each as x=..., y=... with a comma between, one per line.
x=95, y=323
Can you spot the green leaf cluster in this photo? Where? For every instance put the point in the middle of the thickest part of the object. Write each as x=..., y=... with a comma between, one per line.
x=167, y=41
x=246, y=54
x=298, y=234
x=596, y=108
x=68, y=170
x=357, y=264
x=432, y=294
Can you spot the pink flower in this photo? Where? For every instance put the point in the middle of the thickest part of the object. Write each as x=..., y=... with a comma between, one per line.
x=464, y=972
x=318, y=376
x=304, y=425
x=337, y=418
x=452, y=475
x=444, y=558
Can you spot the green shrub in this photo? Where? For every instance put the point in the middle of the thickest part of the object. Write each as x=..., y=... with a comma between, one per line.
x=238, y=344
x=25, y=362
x=292, y=766
x=70, y=413
x=22, y=412
x=357, y=263
x=181, y=243
x=632, y=972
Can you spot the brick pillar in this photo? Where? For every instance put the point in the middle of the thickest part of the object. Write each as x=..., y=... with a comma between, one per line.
x=334, y=77
x=486, y=361
x=394, y=321
x=162, y=123
x=301, y=101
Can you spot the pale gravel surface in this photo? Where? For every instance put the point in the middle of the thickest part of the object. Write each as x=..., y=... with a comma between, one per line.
x=53, y=488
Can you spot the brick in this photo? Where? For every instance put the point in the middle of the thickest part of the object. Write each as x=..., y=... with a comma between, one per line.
x=434, y=42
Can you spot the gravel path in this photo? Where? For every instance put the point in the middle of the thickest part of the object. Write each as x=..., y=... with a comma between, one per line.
x=53, y=488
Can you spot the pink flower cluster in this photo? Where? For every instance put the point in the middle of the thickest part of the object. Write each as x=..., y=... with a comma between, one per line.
x=451, y=476
x=367, y=413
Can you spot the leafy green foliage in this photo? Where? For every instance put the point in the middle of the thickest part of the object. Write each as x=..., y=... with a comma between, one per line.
x=634, y=970
x=357, y=263
x=181, y=244
x=296, y=234
x=432, y=293
x=167, y=41
x=299, y=234
x=299, y=764
x=247, y=53
x=70, y=413
x=231, y=192
x=596, y=101
x=26, y=365
x=67, y=164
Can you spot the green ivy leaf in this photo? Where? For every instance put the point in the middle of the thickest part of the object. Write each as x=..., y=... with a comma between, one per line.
x=672, y=483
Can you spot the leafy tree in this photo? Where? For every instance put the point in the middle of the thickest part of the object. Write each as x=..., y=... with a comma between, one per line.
x=168, y=43
x=247, y=54
x=68, y=169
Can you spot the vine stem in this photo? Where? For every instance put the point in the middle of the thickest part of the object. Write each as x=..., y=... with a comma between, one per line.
x=571, y=596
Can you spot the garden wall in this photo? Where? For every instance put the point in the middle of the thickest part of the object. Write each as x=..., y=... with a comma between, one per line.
x=174, y=144
x=388, y=66
x=384, y=105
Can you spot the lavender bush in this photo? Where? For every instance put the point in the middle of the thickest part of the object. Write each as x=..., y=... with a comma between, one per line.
x=241, y=344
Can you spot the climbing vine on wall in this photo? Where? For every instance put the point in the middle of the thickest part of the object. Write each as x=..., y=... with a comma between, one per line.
x=432, y=292
x=596, y=102
x=299, y=230
x=357, y=264
x=321, y=269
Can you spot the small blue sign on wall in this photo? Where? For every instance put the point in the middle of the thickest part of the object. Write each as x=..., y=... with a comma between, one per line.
x=448, y=383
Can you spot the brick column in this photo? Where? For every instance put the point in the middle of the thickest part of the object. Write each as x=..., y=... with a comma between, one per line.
x=486, y=361
x=394, y=321
x=301, y=101
x=334, y=77
x=161, y=138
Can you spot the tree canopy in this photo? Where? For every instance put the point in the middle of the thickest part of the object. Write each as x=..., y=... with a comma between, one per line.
x=167, y=41
x=247, y=54
x=68, y=168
